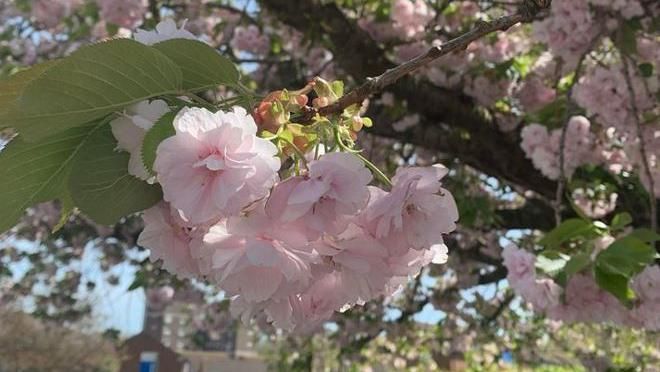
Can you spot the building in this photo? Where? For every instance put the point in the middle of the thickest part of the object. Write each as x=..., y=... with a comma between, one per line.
x=142, y=353
x=181, y=324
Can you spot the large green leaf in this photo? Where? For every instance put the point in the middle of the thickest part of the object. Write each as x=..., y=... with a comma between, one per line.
x=91, y=83
x=100, y=184
x=618, y=285
x=626, y=256
x=202, y=66
x=12, y=87
x=34, y=172
x=161, y=130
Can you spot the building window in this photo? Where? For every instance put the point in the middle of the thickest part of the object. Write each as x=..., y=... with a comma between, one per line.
x=148, y=361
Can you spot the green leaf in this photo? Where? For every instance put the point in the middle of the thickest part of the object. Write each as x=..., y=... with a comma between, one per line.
x=91, y=83
x=567, y=230
x=202, y=66
x=627, y=256
x=12, y=87
x=573, y=266
x=161, y=130
x=645, y=235
x=646, y=69
x=621, y=220
x=100, y=184
x=577, y=263
x=35, y=172
x=138, y=282
x=618, y=285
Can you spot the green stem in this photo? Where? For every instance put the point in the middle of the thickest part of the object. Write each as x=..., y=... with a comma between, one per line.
x=201, y=101
x=376, y=172
x=372, y=167
x=298, y=152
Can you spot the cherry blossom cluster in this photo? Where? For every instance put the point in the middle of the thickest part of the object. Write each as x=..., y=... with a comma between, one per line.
x=250, y=39
x=50, y=13
x=298, y=248
x=583, y=300
x=543, y=147
x=295, y=241
x=569, y=30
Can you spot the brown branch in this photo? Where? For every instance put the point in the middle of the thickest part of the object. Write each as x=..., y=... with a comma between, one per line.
x=526, y=13
x=642, y=143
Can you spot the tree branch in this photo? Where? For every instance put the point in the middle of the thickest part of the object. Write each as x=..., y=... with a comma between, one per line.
x=526, y=13
x=642, y=143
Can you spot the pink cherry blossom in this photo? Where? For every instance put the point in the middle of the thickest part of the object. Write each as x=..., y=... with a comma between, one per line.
x=250, y=39
x=50, y=12
x=415, y=213
x=359, y=259
x=124, y=13
x=334, y=189
x=168, y=238
x=534, y=94
x=165, y=30
x=215, y=165
x=410, y=18
x=130, y=128
x=569, y=30
x=258, y=260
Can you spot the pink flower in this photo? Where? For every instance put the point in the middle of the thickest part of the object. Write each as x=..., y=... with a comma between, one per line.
x=519, y=264
x=215, y=165
x=124, y=13
x=168, y=239
x=359, y=259
x=647, y=284
x=410, y=18
x=415, y=213
x=165, y=30
x=258, y=260
x=334, y=189
x=50, y=12
x=130, y=128
x=250, y=39
x=534, y=94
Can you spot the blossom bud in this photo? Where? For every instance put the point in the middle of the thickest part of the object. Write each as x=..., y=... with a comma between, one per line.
x=357, y=123
x=270, y=113
x=320, y=102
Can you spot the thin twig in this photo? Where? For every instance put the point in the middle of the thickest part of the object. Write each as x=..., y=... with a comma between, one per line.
x=570, y=107
x=642, y=143
x=527, y=12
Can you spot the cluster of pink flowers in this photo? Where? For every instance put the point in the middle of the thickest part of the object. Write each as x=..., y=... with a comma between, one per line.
x=584, y=300
x=250, y=39
x=296, y=249
x=626, y=8
x=124, y=13
x=603, y=92
x=51, y=12
x=486, y=90
x=534, y=94
x=543, y=148
x=410, y=18
x=569, y=30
